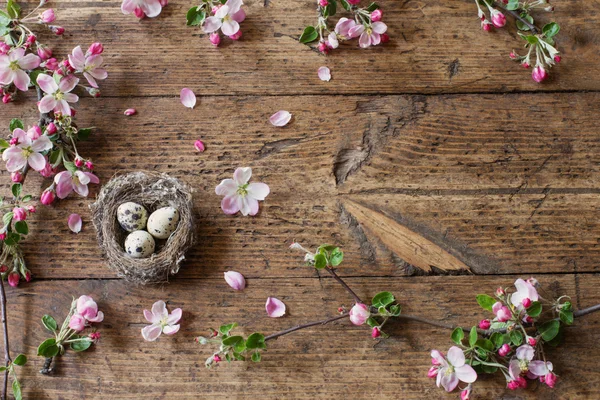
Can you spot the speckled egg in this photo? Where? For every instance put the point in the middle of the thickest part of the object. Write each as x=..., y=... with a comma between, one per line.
x=139, y=244
x=163, y=222
x=132, y=216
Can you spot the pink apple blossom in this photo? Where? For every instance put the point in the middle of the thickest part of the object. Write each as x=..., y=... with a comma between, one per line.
x=57, y=96
x=149, y=8
x=241, y=195
x=88, y=65
x=525, y=291
x=504, y=350
x=67, y=181
x=370, y=35
x=88, y=309
x=226, y=18
x=453, y=369
x=77, y=322
x=47, y=197
x=47, y=16
x=235, y=280
x=19, y=214
x=13, y=66
x=522, y=364
x=539, y=74
x=161, y=320
x=26, y=148
x=502, y=312
x=359, y=314
x=343, y=27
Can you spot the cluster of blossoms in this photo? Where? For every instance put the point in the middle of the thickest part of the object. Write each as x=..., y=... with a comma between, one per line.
x=512, y=342
x=366, y=25
x=540, y=43
x=216, y=17
x=143, y=8
x=82, y=314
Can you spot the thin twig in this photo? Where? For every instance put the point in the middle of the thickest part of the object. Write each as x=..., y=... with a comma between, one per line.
x=308, y=325
x=534, y=29
x=337, y=278
x=7, y=358
x=585, y=311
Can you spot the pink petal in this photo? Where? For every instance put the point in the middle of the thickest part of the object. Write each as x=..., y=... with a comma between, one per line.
x=98, y=318
x=160, y=309
x=235, y=280
x=150, y=317
x=199, y=145
x=230, y=28
x=280, y=118
x=175, y=316
x=379, y=27
x=77, y=58
x=128, y=6
x=62, y=107
x=188, y=98
x=47, y=83
x=449, y=382
x=275, y=307
x=466, y=373
x=211, y=24
x=151, y=332
x=364, y=40
x=258, y=190
x=47, y=104
x=129, y=112
x=64, y=188
x=92, y=178
x=525, y=352
x=241, y=176
x=30, y=61
x=171, y=329
x=538, y=368
x=324, y=74
x=252, y=205
x=234, y=6
x=230, y=205
x=68, y=83
x=239, y=16
x=456, y=356
x=151, y=8
x=227, y=187
x=21, y=80
x=75, y=223
x=37, y=161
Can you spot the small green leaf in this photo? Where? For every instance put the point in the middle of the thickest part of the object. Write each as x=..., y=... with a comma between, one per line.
x=20, y=360
x=84, y=133
x=346, y=5
x=512, y=5
x=33, y=75
x=4, y=144
x=320, y=261
x=557, y=339
x=70, y=166
x=256, y=356
x=549, y=330
x=486, y=302
x=372, y=7
x=4, y=18
x=383, y=299
x=16, y=387
x=330, y=9
x=256, y=341
x=195, y=16
x=224, y=329
x=48, y=348
x=14, y=10
x=551, y=29
x=232, y=340
x=485, y=344
x=457, y=335
x=336, y=258
x=516, y=337
x=532, y=39
x=240, y=347
x=2, y=369
x=521, y=25
x=395, y=310
x=473, y=336
x=15, y=123
x=310, y=34
x=21, y=227
x=498, y=339
x=16, y=190
x=81, y=345
x=7, y=218
x=535, y=309
x=488, y=369
x=49, y=323
x=372, y=322
x=26, y=198
x=239, y=357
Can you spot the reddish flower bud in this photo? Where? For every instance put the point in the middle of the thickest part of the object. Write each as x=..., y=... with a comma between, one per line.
x=31, y=39
x=129, y=112
x=550, y=379
x=433, y=372
x=216, y=358
x=19, y=214
x=4, y=48
x=215, y=39
x=2, y=235
x=340, y=309
x=13, y=279
x=539, y=74
x=375, y=332
x=138, y=12
x=323, y=48
x=236, y=36
x=31, y=209
x=95, y=49
x=484, y=324
x=89, y=165
x=385, y=38
x=48, y=16
x=513, y=55
x=57, y=30
x=199, y=146
x=498, y=19
x=28, y=276
x=504, y=350
x=51, y=128
x=500, y=292
x=531, y=341
x=16, y=177
x=47, y=197
x=3, y=268
x=51, y=64
x=79, y=162
x=557, y=59
x=6, y=98
x=323, y=3
x=526, y=302
x=376, y=15
x=44, y=52
x=486, y=26
x=94, y=336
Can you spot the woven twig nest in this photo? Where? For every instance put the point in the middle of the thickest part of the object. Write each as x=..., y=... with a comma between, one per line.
x=153, y=191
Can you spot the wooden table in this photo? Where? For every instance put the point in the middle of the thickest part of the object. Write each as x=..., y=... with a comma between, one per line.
x=436, y=135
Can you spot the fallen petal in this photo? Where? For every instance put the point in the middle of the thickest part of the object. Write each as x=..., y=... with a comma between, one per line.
x=324, y=74
x=235, y=280
x=280, y=118
x=129, y=111
x=199, y=145
x=188, y=98
x=74, y=223
x=275, y=307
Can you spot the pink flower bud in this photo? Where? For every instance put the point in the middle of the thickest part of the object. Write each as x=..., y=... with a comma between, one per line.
x=6, y=98
x=236, y=36
x=4, y=48
x=51, y=64
x=89, y=165
x=513, y=55
x=432, y=373
x=323, y=48
x=44, y=52
x=48, y=16
x=51, y=128
x=130, y=111
x=531, y=341
x=500, y=292
x=465, y=394
x=95, y=49
x=28, y=276
x=94, y=336
x=77, y=322
x=504, y=350
x=3, y=268
x=385, y=38
x=31, y=209
x=35, y=132
x=199, y=145
x=94, y=92
x=484, y=324
x=47, y=197
x=512, y=385
x=525, y=64
x=214, y=38
x=359, y=314
x=79, y=162
x=557, y=59
x=375, y=332
x=498, y=19
x=57, y=30
x=353, y=2
x=486, y=26
x=138, y=12
x=340, y=310
x=526, y=302
x=14, y=141
x=376, y=15
x=216, y=358
x=16, y=177
x=550, y=379
x=31, y=39
x=19, y=214
x=13, y=279
x=235, y=280
x=539, y=74
x=323, y=3
x=2, y=235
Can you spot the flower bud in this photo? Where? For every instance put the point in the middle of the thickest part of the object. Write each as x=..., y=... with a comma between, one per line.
x=526, y=302
x=385, y=38
x=504, y=350
x=375, y=332
x=95, y=49
x=557, y=59
x=341, y=310
x=353, y=2
x=35, y=132
x=51, y=64
x=500, y=292
x=4, y=48
x=48, y=16
x=484, y=324
x=89, y=165
x=19, y=214
x=486, y=26
x=94, y=336
x=2, y=235
x=44, y=52
x=528, y=319
x=539, y=74
x=28, y=276
x=77, y=322
x=94, y=92
x=47, y=197
x=7, y=98
x=199, y=145
x=498, y=19
x=323, y=48
x=3, y=268
x=323, y=3
x=57, y=30
x=79, y=162
x=51, y=128
x=13, y=279
x=16, y=177
x=138, y=12
x=531, y=341
x=359, y=314
x=216, y=358
x=432, y=373
x=513, y=55
x=31, y=39
x=376, y=15
x=550, y=379
x=465, y=394
x=130, y=111
x=31, y=209
x=215, y=39
x=235, y=280
x=236, y=36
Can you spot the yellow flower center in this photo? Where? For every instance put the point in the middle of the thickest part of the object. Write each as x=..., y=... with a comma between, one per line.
x=14, y=65
x=27, y=151
x=242, y=190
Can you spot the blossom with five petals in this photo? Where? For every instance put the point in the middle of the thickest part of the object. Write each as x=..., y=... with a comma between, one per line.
x=161, y=320
x=13, y=66
x=453, y=369
x=67, y=181
x=57, y=96
x=89, y=66
x=226, y=18
x=26, y=150
x=241, y=195
x=525, y=290
x=150, y=8
x=370, y=35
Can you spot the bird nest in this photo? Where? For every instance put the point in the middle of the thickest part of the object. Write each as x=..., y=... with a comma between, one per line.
x=153, y=191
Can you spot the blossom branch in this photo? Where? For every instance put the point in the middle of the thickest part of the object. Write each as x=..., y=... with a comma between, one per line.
x=518, y=17
x=307, y=325
x=7, y=359
x=341, y=282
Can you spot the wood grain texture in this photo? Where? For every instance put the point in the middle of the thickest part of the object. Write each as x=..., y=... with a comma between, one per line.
x=436, y=47
x=330, y=362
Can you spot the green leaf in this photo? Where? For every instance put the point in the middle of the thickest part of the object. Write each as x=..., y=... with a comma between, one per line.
x=557, y=339
x=566, y=313
x=17, y=390
x=16, y=190
x=26, y=198
x=310, y=34
x=535, y=309
x=195, y=17
x=224, y=329
x=488, y=369
x=457, y=336
x=232, y=340
x=485, y=344
x=336, y=257
x=330, y=9
x=256, y=356
x=81, y=345
x=395, y=310
x=33, y=75
x=4, y=18
x=346, y=5
x=383, y=299
x=473, y=336
x=15, y=123
x=21, y=227
x=320, y=261
x=486, y=302
x=70, y=166
x=4, y=144
x=372, y=7
x=2, y=369
x=512, y=5
x=521, y=25
x=240, y=347
x=498, y=339
x=14, y=10
x=551, y=29
x=84, y=133
x=7, y=218
x=48, y=348
x=49, y=323
x=516, y=337
x=532, y=39
x=256, y=341
x=20, y=360
x=239, y=357
x=549, y=330
x=372, y=322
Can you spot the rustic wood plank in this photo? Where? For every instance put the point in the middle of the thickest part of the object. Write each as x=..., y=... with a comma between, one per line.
x=436, y=47
x=524, y=214
x=340, y=360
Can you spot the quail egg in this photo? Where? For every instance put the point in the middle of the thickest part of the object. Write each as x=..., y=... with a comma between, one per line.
x=163, y=222
x=132, y=216
x=139, y=244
